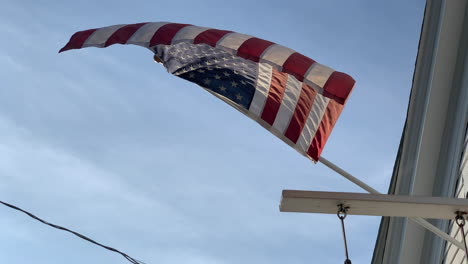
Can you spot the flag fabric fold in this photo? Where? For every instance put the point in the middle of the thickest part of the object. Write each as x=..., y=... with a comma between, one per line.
x=291, y=95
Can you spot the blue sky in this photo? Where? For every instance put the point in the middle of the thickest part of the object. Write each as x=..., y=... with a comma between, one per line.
x=106, y=142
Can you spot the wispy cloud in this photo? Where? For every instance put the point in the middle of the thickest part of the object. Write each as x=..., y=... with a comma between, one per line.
x=106, y=142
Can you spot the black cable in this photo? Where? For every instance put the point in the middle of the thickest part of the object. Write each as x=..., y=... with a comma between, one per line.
x=132, y=260
x=342, y=213
x=460, y=220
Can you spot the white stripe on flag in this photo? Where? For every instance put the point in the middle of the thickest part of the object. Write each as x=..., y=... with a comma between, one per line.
x=261, y=90
x=318, y=74
x=233, y=40
x=100, y=36
x=276, y=54
x=288, y=104
x=143, y=35
x=313, y=121
x=188, y=33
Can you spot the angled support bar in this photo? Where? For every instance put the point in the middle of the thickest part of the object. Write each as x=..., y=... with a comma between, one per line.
x=371, y=190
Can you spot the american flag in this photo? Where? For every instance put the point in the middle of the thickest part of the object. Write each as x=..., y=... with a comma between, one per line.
x=291, y=95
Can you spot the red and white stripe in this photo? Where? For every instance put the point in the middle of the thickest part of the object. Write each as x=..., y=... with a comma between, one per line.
x=293, y=111
x=297, y=99
x=332, y=84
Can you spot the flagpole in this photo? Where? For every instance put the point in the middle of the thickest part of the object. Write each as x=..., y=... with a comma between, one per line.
x=417, y=220
x=348, y=176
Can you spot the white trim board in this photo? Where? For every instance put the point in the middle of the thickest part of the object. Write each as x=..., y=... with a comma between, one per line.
x=372, y=204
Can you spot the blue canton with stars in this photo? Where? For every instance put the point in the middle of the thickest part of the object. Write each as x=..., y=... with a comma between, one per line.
x=214, y=69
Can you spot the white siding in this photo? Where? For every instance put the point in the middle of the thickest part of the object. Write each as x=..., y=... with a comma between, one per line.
x=454, y=255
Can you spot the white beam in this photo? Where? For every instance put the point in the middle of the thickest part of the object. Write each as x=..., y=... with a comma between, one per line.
x=372, y=204
x=418, y=220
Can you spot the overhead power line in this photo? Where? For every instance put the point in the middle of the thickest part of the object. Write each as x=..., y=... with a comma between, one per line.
x=132, y=260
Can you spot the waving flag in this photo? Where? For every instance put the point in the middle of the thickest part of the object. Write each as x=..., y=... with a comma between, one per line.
x=291, y=95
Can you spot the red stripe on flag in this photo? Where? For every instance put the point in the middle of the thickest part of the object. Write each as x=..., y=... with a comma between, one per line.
x=122, y=34
x=338, y=87
x=166, y=33
x=210, y=36
x=275, y=96
x=297, y=65
x=78, y=39
x=253, y=48
x=329, y=119
x=301, y=113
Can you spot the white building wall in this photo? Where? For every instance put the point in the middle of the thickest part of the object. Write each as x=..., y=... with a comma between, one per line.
x=434, y=140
